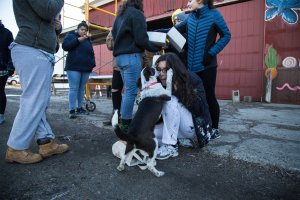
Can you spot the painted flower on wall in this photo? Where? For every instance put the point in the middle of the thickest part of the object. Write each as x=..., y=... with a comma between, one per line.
x=284, y=8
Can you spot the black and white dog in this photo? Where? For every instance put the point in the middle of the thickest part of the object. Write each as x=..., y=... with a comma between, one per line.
x=140, y=136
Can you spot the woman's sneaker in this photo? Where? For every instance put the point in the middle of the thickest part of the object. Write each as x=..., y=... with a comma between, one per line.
x=2, y=119
x=72, y=114
x=215, y=134
x=81, y=111
x=166, y=151
x=186, y=142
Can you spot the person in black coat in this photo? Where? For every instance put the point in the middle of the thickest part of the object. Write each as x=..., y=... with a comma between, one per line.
x=130, y=41
x=6, y=67
x=80, y=63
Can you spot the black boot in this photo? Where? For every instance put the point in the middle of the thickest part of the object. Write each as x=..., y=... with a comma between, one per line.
x=108, y=122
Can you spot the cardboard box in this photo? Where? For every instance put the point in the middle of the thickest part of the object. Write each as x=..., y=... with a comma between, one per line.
x=157, y=38
x=176, y=39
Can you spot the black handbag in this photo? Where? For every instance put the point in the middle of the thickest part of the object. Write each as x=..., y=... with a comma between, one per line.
x=203, y=130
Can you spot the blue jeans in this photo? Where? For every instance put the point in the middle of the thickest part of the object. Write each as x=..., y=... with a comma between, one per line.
x=77, y=81
x=130, y=66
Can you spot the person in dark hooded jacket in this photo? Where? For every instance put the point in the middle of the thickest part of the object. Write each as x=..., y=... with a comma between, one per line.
x=6, y=66
x=79, y=65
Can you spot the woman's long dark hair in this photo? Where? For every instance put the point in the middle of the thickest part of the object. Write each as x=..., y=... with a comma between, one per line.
x=138, y=4
x=182, y=86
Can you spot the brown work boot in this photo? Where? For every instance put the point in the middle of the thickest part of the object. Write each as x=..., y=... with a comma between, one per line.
x=22, y=156
x=52, y=148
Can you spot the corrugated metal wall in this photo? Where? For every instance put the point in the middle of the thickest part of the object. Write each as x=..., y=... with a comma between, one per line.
x=241, y=62
x=151, y=8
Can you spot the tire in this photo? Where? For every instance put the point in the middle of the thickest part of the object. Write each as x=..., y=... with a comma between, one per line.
x=14, y=82
x=90, y=106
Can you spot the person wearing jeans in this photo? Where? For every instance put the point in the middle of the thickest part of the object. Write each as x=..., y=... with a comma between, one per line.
x=77, y=82
x=80, y=62
x=33, y=58
x=130, y=41
x=130, y=66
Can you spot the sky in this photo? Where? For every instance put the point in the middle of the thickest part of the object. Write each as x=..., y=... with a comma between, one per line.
x=8, y=19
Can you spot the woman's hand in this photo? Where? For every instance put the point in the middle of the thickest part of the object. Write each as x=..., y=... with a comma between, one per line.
x=82, y=38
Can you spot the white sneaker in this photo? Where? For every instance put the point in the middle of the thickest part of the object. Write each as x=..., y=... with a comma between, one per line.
x=166, y=151
x=186, y=142
x=2, y=119
x=215, y=134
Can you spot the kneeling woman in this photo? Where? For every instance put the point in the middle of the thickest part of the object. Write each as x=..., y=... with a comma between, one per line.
x=186, y=115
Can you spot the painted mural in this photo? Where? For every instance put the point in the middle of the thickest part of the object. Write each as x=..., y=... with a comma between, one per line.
x=283, y=49
x=284, y=8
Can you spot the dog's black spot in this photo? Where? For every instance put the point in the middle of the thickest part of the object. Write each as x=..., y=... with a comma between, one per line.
x=148, y=71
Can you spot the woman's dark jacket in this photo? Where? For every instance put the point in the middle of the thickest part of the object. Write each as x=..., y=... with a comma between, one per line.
x=130, y=33
x=6, y=38
x=202, y=27
x=80, y=54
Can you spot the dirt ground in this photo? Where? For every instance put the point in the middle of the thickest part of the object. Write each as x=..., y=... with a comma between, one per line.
x=88, y=170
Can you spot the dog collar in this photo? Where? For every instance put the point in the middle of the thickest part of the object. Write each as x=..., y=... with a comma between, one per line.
x=151, y=84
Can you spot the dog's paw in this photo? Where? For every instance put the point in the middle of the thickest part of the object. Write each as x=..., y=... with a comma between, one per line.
x=159, y=173
x=170, y=72
x=120, y=168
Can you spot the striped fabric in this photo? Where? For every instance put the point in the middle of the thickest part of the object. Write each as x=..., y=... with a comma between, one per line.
x=202, y=27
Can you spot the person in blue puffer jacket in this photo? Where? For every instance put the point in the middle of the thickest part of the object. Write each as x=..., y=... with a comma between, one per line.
x=79, y=65
x=202, y=27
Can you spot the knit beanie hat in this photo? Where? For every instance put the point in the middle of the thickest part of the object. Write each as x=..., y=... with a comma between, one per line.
x=180, y=16
x=176, y=12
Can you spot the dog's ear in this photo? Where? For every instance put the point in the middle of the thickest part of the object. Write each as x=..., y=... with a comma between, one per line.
x=152, y=71
x=139, y=83
x=147, y=73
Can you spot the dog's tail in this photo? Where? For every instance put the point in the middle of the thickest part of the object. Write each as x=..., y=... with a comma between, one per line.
x=115, y=119
x=114, y=122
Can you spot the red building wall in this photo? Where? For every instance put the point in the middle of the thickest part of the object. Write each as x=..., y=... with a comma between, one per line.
x=241, y=62
x=103, y=60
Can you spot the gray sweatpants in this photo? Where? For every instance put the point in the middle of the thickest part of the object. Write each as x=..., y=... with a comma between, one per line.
x=35, y=71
